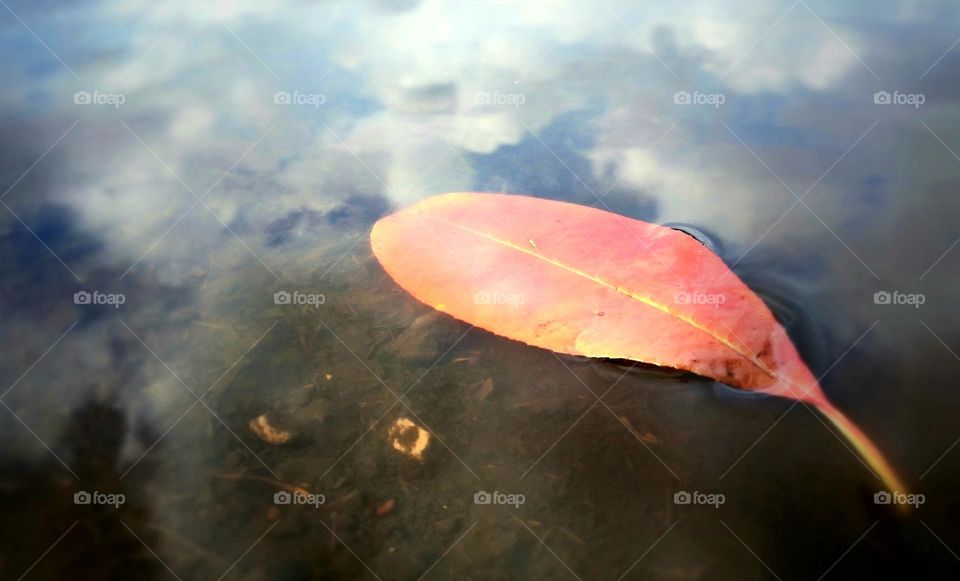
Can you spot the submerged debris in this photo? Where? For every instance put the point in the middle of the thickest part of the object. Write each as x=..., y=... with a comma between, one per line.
x=291, y=488
x=486, y=388
x=408, y=438
x=647, y=437
x=269, y=434
x=386, y=507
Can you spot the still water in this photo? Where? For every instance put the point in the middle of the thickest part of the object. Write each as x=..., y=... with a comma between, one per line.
x=206, y=374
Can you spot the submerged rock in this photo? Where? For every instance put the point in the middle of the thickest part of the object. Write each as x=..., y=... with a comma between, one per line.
x=427, y=338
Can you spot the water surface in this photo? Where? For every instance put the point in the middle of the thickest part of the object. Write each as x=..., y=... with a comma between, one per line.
x=198, y=158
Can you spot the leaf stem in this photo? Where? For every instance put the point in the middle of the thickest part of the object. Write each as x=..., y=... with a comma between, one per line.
x=864, y=446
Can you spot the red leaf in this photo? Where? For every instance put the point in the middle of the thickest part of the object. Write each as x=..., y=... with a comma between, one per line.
x=582, y=281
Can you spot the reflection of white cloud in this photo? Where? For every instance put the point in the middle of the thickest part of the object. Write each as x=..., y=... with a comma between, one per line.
x=797, y=51
x=128, y=204
x=802, y=53
x=164, y=14
x=687, y=190
x=422, y=71
x=415, y=61
x=401, y=157
x=703, y=177
x=426, y=68
x=191, y=123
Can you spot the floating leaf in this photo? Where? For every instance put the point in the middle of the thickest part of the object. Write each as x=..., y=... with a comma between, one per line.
x=582, y=281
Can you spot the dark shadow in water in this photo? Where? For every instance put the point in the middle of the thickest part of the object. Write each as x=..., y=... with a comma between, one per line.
x=40, y=505
x=357, y=211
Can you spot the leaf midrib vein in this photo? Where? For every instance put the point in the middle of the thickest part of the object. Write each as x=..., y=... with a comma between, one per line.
x=624, y=291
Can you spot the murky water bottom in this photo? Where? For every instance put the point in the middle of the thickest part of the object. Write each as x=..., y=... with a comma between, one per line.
x=597, y=450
